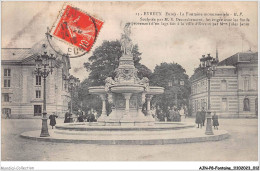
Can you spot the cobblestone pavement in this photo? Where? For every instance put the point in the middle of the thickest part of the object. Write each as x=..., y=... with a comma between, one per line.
x=241, y=146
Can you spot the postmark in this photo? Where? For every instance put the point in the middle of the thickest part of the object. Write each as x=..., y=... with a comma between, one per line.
x=77, y=29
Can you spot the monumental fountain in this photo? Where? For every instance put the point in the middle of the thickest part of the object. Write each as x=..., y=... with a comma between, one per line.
x=126, y=92
x=127, y=124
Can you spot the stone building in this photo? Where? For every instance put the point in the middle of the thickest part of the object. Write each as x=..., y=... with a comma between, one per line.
x=22, y=89
x=233, y=88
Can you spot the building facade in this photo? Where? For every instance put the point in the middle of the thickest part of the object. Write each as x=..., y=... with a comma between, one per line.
x=233, y=88
x=22, y=89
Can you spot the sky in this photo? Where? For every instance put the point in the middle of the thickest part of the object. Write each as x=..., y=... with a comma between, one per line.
x=25, y=23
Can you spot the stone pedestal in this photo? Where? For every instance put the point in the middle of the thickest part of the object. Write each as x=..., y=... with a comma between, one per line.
x=126, y=117
x=44, y=131
x=209, y=130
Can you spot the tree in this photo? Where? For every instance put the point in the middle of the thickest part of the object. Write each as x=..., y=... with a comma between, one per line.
x=105, y=60
x=88, y=100
x=169, y=76
x=102, y=64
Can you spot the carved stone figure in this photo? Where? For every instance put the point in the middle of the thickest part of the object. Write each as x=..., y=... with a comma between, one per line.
x=126, y=42
x=108, y=82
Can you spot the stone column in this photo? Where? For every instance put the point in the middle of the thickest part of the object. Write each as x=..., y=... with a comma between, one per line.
x=102, y=118
x=127, y=100
x=103, y=98
x=148, y=100
x=149, y=117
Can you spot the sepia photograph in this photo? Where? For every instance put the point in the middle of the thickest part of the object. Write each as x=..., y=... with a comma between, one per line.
x=144, y=81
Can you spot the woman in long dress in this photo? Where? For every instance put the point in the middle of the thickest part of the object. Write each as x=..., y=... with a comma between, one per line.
x=52, y=118
x=215, y=120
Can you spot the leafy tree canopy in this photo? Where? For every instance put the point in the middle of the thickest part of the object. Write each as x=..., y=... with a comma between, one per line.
x=170, y=76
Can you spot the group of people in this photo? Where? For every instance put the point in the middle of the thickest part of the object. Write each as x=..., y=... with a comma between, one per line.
x=174, y=114
x=90, y=117
x=81, y=117
x=201, y=117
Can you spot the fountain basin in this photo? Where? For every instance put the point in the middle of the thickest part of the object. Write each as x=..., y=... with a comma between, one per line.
x=97, y=90
x=93, y=126
x=161, y=133
x=127, y=88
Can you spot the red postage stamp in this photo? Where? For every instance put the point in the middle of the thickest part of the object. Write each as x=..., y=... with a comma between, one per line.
x=77, y=28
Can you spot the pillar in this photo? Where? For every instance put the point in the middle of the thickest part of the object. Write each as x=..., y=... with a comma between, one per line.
x=103, y=98
x=148, y=100
x=127, y=100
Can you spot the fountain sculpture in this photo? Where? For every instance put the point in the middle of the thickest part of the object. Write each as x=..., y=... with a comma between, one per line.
x=126, y=124
x=126, y=92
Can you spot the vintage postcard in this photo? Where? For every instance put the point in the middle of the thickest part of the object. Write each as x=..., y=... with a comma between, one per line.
x=113, y=81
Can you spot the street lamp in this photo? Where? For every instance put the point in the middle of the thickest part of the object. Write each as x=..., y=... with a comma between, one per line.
x=44, y=65
x=73, y=83
x=208, y=64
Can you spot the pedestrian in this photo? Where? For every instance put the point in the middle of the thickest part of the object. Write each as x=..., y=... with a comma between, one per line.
x=198, y=119
x=52, y=118
x=80, y=118
x=91, y=116
x=177, y=116
x=185, y=111
x=171, y=114
x=203, y=115
x=67, y=119
x=182, y=112
x=215, y=120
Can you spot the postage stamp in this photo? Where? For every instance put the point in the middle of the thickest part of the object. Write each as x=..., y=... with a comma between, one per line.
x=77, y=28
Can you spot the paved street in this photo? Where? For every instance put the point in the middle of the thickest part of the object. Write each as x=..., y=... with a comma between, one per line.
x=241, y=146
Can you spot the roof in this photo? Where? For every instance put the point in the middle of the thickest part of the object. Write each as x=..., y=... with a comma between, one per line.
x=198, y=73
x=224, y=66
x=249, y=56
x=15, y=54
x=230, y=62
x=27, y=55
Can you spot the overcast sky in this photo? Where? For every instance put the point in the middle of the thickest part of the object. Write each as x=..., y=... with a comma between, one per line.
x=24, y=24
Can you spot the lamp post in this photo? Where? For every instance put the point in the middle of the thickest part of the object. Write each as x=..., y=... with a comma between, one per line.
x=44, y=67
x=208, y=64
x=73, y=83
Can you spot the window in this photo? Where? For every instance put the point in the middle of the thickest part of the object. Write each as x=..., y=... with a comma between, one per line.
x=37, y=110
x=223, y=85
x=246, y=84
x=7, y=72
x=38, y=94
x=255, y=83
x=6, y=111
x=224, y=104
x=202, y=86
x=6, y=97
x=195, y=105
x=203, y=103
x=7, y=83
x=38, y=80
x=170, y=83
x=246, y=104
